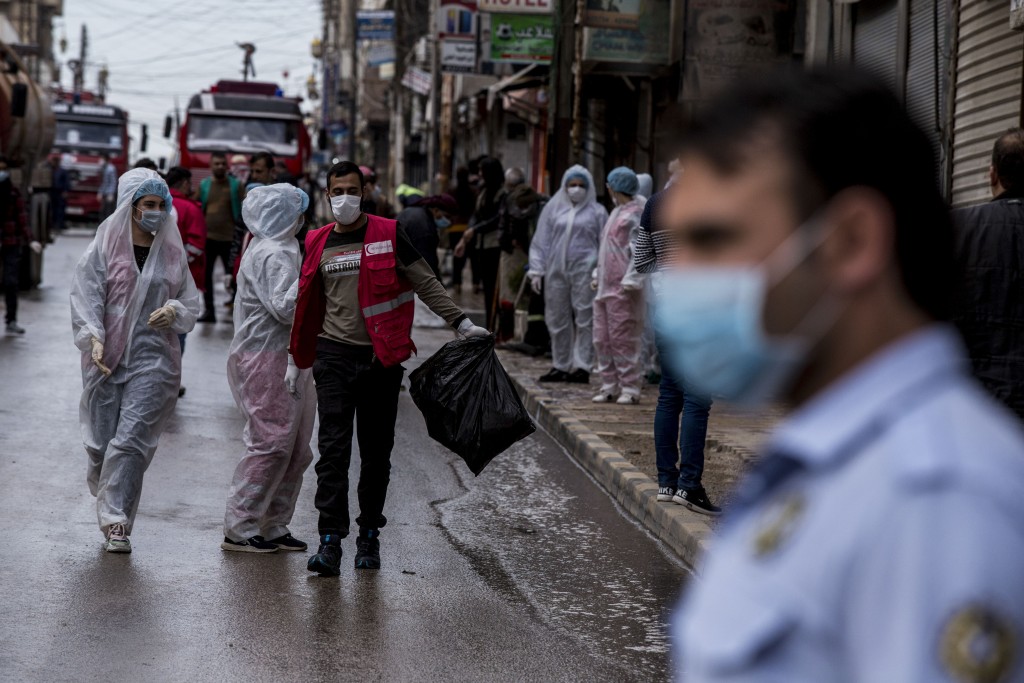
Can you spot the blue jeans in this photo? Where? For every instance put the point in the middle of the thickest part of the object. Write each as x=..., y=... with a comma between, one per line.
x=673, y=401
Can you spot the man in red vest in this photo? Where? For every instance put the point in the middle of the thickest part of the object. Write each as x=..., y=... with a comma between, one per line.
x=352, y=326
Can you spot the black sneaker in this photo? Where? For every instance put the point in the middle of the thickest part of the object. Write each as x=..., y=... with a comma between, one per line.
x=256, y=544
x=288, y=542
x=578, y=377
x=554, y=375
x=696, y=500
x=665, y=494
x=327, y=561
x=208, y=317
x=368, y=549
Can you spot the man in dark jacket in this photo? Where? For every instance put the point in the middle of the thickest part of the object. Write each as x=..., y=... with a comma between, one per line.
x=15, y=235
x=989, y=305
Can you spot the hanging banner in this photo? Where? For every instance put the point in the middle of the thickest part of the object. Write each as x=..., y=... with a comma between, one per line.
x=417, y=80
x=516, y=6
x=458, y=56
x=621, y=14
x=522, y=38
x=649, y=43
x=456, y=20
x=377, y=25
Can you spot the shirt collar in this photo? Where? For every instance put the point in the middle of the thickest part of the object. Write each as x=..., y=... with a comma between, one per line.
x=817, y=433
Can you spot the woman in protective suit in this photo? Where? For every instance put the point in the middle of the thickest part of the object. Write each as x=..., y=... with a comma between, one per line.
x=279, y=421
x=131, y=297
x=563, y=254
x=618, y=306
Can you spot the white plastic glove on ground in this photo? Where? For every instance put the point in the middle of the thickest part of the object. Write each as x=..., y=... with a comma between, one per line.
x=468, y=329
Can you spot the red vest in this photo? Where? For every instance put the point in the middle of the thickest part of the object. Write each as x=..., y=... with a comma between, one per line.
x=386, y=299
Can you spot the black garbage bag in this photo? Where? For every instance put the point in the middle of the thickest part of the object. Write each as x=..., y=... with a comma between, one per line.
x=469, y=402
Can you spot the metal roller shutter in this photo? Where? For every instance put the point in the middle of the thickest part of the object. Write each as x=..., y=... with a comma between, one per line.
x=926, y=70
x=875, y=27
x=988, y=93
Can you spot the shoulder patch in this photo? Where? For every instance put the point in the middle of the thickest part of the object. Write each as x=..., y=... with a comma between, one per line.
x=777, y=523
x=978, y=645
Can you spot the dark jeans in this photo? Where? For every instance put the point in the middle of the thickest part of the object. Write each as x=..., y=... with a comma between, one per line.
x=11, y=258
x=673, y=400
x=489, y=266
x=351, y=384
x=215, y=249
x=58, y=210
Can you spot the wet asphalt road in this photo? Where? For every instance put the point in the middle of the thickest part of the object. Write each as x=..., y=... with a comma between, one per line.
x=526, y=573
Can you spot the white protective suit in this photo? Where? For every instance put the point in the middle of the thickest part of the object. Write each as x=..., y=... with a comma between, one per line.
x=123, y=415
x=564, y=252
x=278, y=427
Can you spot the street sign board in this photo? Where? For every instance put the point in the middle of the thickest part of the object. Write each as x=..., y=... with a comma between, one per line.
x=417, y=80
x=522, y=38
x=517, y=6
x=458, y=56
x=375, y=25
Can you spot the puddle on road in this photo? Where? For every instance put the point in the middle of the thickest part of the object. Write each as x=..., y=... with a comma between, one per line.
x=536, y=544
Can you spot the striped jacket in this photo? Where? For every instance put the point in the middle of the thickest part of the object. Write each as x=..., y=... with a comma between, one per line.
x=652, y=250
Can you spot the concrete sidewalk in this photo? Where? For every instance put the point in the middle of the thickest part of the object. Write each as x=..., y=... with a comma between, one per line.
x=616, y=445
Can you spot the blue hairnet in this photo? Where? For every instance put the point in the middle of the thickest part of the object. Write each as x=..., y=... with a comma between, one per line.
x=569, y=177
x=304, y=198
x=623, y=180
x=154, y=186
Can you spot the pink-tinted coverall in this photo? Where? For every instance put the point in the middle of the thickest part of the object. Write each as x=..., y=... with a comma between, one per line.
x=618, y=307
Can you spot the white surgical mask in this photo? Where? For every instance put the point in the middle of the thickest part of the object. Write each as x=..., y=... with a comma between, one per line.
x=346, y=208
x=709, y=322
x=576, y=194
x=150, y=221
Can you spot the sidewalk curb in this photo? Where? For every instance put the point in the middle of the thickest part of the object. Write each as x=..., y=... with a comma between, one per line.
x=685, y=532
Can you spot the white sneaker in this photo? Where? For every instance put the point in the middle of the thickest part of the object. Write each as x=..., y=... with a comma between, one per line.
x=628, y=400
x=604, y=397
x=15, y=328
x=117, y=540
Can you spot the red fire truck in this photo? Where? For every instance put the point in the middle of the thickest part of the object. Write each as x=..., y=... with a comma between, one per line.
x=237, y=117
x=86, y=130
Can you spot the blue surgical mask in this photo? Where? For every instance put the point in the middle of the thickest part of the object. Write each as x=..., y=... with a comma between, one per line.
x=442, y=223
x=709, y=324
x=150, y=221
x=4, y=175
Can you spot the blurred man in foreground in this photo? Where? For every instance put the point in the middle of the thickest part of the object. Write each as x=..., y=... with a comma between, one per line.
x=881, y=535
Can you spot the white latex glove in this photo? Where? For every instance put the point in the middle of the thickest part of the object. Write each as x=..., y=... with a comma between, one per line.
x=97, y=356
x=36, y=247
x=631, y=285
x=536, y=283
x=228, y=281
x=291, y=378
x=163, y=317
x=468, y=329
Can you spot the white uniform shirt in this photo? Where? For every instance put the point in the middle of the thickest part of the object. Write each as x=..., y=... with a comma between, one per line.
x=894, y=555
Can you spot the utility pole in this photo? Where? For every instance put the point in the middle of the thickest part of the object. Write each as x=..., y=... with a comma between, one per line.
x=433, y=99
x=560, y=128
x=353, y=110
x=83, y=51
